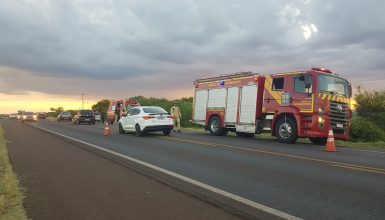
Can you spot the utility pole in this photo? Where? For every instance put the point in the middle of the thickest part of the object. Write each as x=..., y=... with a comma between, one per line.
x=82, y=100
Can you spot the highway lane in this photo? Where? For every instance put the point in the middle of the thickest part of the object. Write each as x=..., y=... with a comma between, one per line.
x=300, y=179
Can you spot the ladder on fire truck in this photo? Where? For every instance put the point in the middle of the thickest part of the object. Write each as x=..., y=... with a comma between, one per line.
x=226, y=77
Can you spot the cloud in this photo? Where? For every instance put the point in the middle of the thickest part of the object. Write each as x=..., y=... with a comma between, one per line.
x=152, y=47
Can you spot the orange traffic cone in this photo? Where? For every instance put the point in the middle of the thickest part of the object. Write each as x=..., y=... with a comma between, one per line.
x=106, y=130
x=330, y=144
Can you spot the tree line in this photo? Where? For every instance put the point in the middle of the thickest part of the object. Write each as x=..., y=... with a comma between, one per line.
x=185, y=105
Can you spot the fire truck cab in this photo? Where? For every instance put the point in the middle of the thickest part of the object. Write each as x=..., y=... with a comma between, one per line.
x=288, y=105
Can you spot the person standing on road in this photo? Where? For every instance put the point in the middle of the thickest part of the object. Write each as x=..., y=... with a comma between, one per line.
x=175, y=112
x=102, y=116
x=117, y=111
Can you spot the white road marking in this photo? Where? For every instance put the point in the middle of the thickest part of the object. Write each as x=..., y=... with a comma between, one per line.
x=186, y=179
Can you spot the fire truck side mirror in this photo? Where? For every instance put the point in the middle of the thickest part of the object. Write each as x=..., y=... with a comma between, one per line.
x=350, y=90
x=307, y=80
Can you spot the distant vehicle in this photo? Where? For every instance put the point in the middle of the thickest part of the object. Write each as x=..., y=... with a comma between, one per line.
x=41, y=115
x=98, y=117
x=119, y=104
x=145, y=119
x=64, y=116
x=84, y=116
x=28, y=116
x=19, y=114
x=13, y=116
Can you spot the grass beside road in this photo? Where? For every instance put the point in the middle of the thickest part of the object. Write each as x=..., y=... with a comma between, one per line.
x=378, y=145
x=11, y=196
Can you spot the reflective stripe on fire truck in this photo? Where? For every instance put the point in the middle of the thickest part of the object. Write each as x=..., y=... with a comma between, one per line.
x=336, y=98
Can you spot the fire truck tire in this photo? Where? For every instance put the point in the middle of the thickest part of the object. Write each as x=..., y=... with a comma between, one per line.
x=319, y=140
x=215, y=127
x=243, y=134
x=286, y=130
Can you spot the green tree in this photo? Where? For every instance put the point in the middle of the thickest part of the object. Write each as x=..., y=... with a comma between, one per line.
x=101, y=106
x=185, y=106
x=56, y=110
x=371, y=106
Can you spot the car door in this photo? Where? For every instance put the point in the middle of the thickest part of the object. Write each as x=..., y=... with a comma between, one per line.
x=125, y=120
x=134, y=117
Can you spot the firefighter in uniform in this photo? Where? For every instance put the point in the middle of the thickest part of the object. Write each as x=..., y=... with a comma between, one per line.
x=175, y=112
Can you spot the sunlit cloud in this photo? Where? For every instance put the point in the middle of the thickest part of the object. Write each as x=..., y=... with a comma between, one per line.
x=309, y=30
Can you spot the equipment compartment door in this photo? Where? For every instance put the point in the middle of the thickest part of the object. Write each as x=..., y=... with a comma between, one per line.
x=217, y=98
x=232, y=105
x=248, y=104
x=200, y=105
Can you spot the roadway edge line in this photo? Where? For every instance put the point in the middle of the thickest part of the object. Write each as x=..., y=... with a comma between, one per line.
x=229, y=195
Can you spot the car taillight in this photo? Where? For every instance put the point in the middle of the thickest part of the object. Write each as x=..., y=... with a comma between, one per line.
x=170, y=116
x=146, y=117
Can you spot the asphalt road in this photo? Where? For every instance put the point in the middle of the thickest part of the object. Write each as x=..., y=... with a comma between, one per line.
x=63, y=180
x=301, y=179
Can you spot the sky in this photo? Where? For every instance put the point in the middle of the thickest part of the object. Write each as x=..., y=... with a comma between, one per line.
x=51, y=52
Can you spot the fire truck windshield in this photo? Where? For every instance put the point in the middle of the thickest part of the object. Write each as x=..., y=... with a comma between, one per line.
x=332, y=84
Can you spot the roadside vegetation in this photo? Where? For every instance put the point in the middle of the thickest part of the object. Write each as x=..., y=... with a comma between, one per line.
x=11, y=195
x=368, y=123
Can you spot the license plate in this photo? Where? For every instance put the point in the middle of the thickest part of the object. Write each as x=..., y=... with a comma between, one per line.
x=340, y=125
x=87, y=119
x=161, y=118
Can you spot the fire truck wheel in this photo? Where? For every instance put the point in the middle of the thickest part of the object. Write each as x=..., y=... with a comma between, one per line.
x=215, y=127
x=318, y=140
x=286, y=130
x=243, y=134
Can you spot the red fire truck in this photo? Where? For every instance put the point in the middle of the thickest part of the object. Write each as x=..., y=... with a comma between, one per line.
x=289, y=105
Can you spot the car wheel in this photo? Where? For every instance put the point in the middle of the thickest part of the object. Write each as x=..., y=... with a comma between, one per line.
x=318, y=140
x=286, y=130
x=138, y=132
x=121, y=130
x=166, y=132
x=215, y=127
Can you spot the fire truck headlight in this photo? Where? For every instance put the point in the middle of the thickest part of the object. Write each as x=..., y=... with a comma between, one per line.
x=321, y=121
x=321, y=110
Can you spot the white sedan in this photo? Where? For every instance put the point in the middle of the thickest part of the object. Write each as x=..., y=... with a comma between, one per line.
x=143, y=119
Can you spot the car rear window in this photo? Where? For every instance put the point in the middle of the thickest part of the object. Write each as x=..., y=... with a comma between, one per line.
x=86, y=112
x=154, y=110
x=28, y=113
x=66, y=114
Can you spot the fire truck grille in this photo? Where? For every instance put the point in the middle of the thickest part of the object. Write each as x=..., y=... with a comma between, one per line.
x=338, y=116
